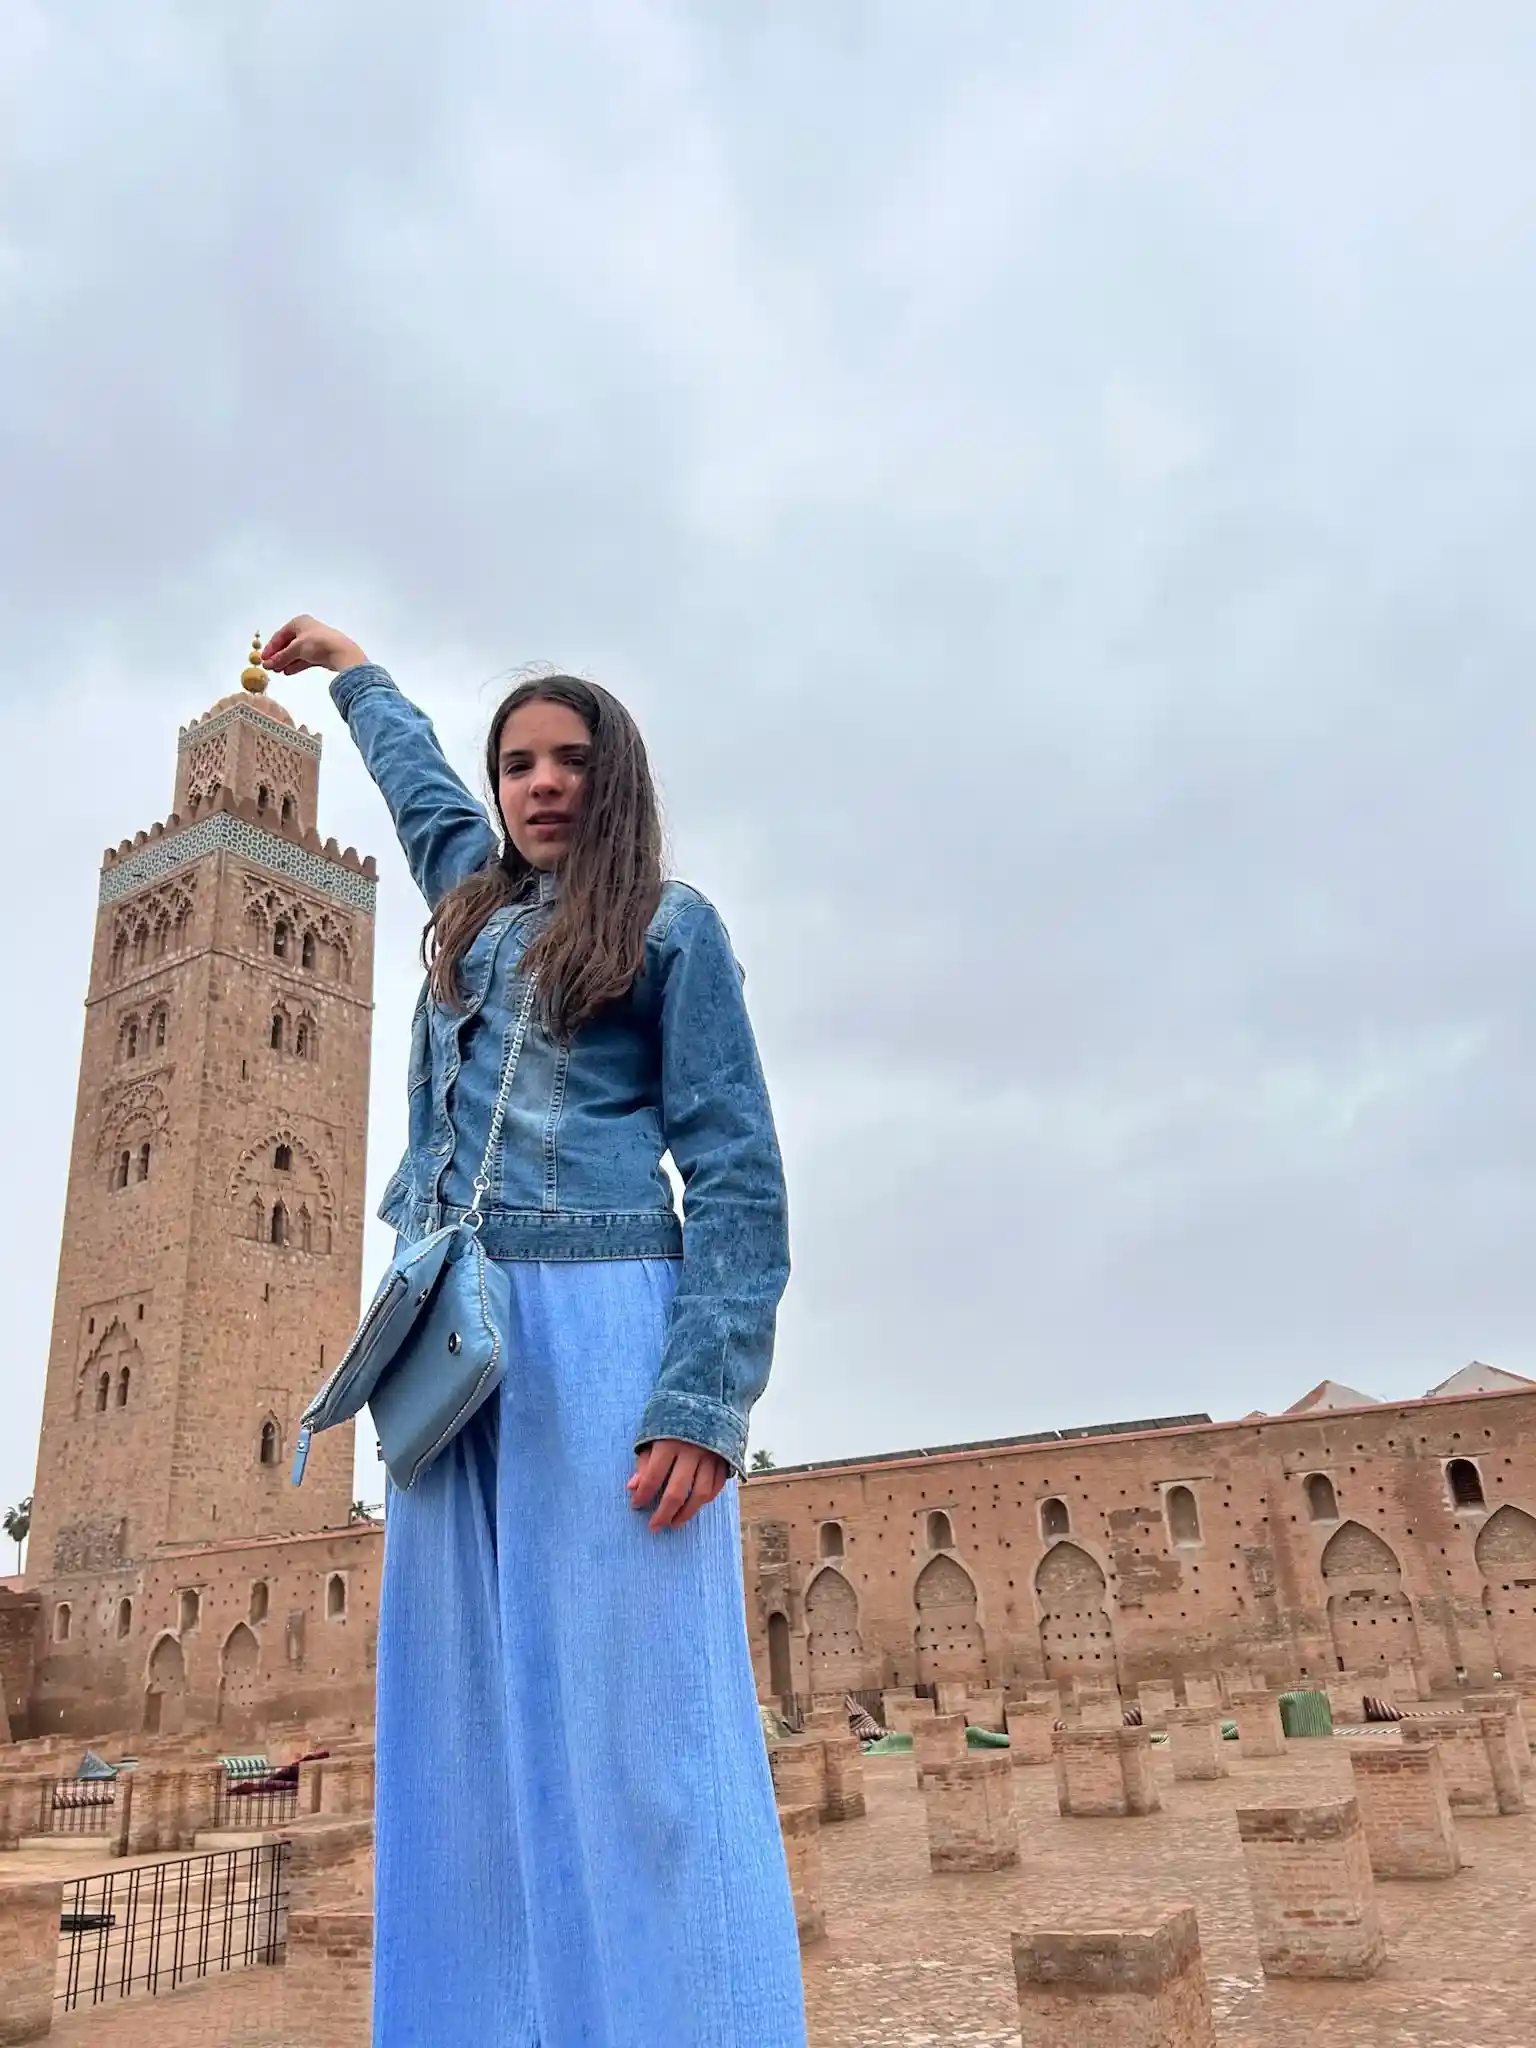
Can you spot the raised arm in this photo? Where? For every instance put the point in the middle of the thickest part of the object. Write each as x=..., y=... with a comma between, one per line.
x=445, y=834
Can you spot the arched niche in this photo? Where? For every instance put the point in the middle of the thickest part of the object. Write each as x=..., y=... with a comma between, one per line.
x=1370, y=1618
x=834, y=1646
x=948, y=1637
x=1076, y=1636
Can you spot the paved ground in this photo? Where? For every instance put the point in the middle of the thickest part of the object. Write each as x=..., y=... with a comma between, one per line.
x=914, y=1961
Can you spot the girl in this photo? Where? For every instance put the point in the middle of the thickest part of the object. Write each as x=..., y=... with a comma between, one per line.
x=576, y=1834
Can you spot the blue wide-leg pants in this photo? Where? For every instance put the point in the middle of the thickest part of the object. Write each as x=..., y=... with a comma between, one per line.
x=576, y=1838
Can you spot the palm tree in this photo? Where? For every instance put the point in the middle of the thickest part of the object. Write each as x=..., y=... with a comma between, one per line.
x=18, y=1520
x=762, y=1461
x=364, y=1510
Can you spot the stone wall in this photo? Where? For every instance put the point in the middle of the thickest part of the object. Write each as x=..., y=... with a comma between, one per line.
x=1161, y=1555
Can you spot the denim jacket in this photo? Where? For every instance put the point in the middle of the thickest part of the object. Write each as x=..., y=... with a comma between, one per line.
x=672, y=1067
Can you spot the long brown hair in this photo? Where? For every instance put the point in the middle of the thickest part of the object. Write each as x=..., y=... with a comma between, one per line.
x=610, y=879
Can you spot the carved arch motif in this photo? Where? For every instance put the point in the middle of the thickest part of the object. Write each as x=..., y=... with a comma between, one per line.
x=314, y=934
x=281, y=1193
x=151, y=925
x=134, y=1115
x=114, y=1359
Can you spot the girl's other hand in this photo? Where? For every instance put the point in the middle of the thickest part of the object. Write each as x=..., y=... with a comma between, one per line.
x=685, y=1475
x=305, y=643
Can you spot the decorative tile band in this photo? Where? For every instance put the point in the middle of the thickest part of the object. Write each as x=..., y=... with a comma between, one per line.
x=158, y=858
x=287, y=735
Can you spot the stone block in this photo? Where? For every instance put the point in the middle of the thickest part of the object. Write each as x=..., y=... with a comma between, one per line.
x=29, y=1953
x=1194, y=1743
x=327, y=1984
x=1100, y=1707
x=985, y=1710
x=1464, y=1754
x=969, y=1810
x=953, y=1694
x=842, y=1776
x=1510, y=1704
x=1259, y=1729
x=1202, y=1689
x=1346, y=1699
x=1503, y=1762
x=799, y=1767
x=1405, y=1809
x=21, y=1797
x=1406, y=1682
x=1104, y=1773
x=824, y=1721
x=1314, y=1902
x=902, y=1713
x=1154, y=1698
x=800, y=1827
x=1136, y=1982
x=939, y=1740
x=1030, y=1724
x=330, y=1865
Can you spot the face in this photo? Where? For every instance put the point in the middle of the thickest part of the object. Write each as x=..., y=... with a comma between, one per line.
x=542, y=757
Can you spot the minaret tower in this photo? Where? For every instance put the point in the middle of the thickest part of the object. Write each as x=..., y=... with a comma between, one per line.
x=211, y=1261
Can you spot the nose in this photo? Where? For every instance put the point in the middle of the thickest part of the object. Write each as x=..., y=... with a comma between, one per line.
x=546, y=779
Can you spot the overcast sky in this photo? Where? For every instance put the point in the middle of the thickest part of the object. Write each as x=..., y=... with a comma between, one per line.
x=1055, y=483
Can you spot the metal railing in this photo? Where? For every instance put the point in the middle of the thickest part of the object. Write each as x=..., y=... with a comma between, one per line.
x=146, y=1930
x=76, y=1806
x=254, y=1804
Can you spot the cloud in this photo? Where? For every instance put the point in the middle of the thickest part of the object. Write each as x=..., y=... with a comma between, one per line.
x=1054, y=488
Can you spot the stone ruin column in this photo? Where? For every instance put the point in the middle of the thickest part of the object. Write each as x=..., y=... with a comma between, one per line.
x=953, y=1695
x=1480, y=1771
x=902, y=1712
x=1030, y=1725
x=1136, y=1983
x=939, y=1740
x=327, y=1984
x=842, y=1776
x=969, y=1809
x=1104, y=1773
x=799, y=1767
x=1510, y=1704
x=29, y=1956
x=1194, y=1743
x=1405, y=1809
x=1201, y=1689
x=1260, y=1731
x=1314, y=1903
x=1155, y=1696
x=1100, y=1707
x=800, y=1827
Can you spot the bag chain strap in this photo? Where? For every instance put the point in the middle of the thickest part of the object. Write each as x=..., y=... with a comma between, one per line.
x=474, y=1218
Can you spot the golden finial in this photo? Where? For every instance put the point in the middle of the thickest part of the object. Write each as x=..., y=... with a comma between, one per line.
x=254, y=678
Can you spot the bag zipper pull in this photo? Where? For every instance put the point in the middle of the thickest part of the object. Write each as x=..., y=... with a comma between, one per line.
x=301, y=1454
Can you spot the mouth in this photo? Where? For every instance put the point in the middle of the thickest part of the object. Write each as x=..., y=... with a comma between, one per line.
x=548, y=822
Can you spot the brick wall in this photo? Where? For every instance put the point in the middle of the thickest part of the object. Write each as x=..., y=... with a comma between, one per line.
x=945, y=1567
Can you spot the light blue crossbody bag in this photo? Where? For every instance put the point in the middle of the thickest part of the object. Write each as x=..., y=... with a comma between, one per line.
x=431, y=1348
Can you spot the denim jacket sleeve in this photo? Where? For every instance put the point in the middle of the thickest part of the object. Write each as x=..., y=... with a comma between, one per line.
x=718, y=1125
x=445, y=833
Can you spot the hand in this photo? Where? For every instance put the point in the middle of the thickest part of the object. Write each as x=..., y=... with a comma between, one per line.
x=305, y=643
x=685, y=1475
